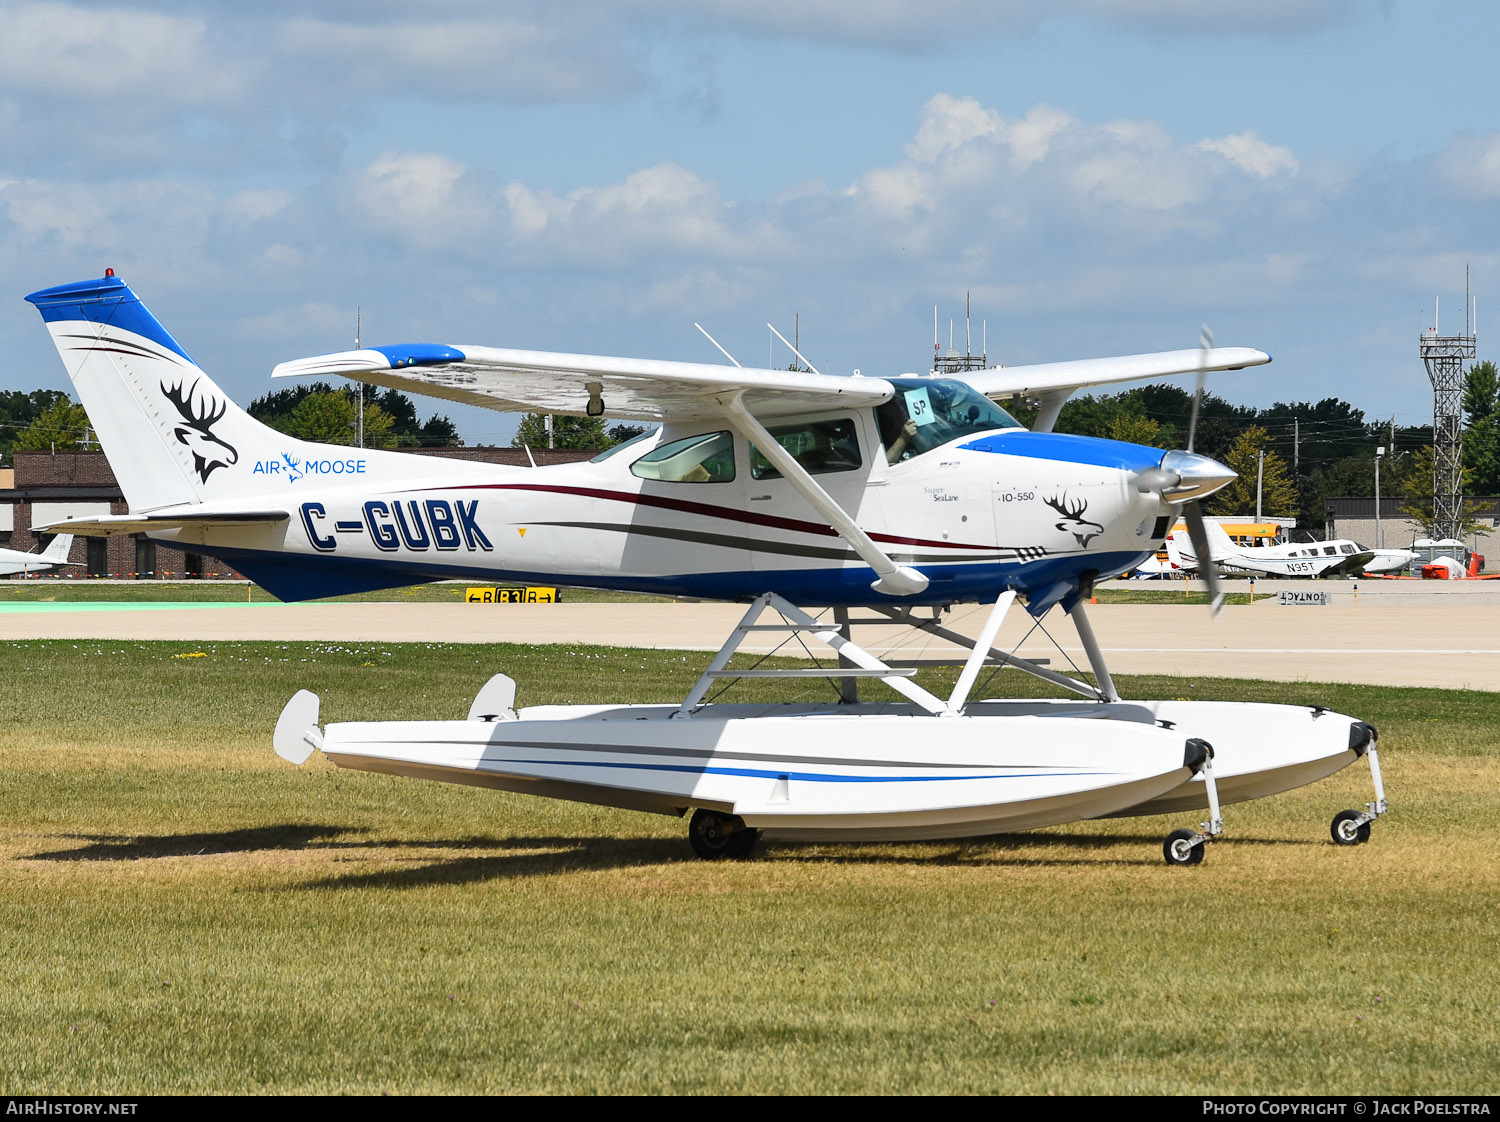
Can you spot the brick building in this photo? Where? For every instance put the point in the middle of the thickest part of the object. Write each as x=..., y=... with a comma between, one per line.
x=46, y=486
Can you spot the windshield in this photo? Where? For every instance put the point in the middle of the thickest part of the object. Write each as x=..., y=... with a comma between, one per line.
x=636, y=439
x=926, y=413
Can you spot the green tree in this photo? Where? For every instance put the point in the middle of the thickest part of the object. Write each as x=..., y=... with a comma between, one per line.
x=1134, y=428
x=61, y=426
x=1416, y=490
x=567, y=432
x=403, y=429
x=1481, y=405
x=1278, y=494
x=332, y=418
x=619, y=434
x=18, y=409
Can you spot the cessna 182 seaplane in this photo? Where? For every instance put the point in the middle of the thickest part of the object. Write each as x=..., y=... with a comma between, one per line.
x=784, y=489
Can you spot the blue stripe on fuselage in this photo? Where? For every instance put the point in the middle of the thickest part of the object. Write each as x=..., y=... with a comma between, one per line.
x=294, y=577
x=1071, y=449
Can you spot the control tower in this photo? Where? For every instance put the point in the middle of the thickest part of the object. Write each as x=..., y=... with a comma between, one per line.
x=1445, y=357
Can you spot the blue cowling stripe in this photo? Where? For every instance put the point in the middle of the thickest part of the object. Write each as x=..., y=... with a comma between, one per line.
x=107, y=300
x=1072, y=449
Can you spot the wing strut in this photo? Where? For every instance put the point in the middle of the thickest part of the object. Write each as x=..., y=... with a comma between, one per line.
x=895, y=580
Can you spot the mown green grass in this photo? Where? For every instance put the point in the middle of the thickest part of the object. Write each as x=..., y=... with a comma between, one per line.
x=184, y=912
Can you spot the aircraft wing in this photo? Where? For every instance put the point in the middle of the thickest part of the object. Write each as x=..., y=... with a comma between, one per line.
x=107, y=524
x=1002, y=381
x=550, y=382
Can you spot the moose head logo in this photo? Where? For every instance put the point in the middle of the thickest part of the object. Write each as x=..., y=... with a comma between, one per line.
x=1074, y=520
x=293, y=467
x=196, y=431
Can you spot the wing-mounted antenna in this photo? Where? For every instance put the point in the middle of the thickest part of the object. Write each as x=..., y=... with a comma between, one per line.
x=800, y=357
x=715, y=342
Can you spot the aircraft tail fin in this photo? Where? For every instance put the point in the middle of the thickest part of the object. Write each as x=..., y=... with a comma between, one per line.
x=173, y=437
x=171, y=434
x=1174, y=554
x=1220, y=544
x=57, y=551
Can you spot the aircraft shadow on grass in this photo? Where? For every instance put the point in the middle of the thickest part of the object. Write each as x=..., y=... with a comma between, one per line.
x=542, y=856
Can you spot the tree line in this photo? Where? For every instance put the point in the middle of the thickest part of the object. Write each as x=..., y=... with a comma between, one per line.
x=50, y=420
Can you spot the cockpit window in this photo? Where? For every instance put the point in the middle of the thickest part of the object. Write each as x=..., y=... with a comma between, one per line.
x=926, y=413
x=819, y=446
x=1346, y=548
x=624, y=444
x=705, y=458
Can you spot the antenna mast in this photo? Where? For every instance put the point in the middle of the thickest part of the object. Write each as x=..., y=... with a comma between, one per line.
x=945, y=365
x=361, y=385
x=1445, y=356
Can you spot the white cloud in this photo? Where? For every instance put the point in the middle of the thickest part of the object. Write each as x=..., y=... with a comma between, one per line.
x=1252, y=154
x=255, y=206
x=930, y=26
x=663, y=209
x=94, y=52
x=487, y=55
x=1263, y=17
x=969, y=165
x=1471, y=165
x=426, y=200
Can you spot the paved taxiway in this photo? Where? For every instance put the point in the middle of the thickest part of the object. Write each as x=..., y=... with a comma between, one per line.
x=1396, y=639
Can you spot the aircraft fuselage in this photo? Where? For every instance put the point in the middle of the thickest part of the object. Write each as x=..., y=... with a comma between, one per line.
x=987, y=511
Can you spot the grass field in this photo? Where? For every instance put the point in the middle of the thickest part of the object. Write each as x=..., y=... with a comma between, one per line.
x=184, y=912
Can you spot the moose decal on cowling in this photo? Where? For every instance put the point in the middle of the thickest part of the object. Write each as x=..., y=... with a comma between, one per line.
x=196, y=431
x=1074, y=520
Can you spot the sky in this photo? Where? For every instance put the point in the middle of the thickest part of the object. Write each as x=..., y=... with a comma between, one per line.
x=1099, y=176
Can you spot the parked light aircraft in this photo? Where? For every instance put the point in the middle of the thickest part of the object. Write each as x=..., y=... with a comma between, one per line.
x=1390, y=560
x=896, y=496
x=1338, y=557
x=14, y=561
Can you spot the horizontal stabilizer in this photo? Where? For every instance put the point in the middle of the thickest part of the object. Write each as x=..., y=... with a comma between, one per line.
x=105, y=525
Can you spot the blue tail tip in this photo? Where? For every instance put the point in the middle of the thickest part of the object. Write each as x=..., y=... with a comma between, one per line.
x=104, y=288
x=105, y=300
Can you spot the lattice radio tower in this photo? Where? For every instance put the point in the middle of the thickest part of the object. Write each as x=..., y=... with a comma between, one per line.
x=1445, y=357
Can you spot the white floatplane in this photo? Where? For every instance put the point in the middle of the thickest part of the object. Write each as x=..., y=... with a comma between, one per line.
x=891, y=497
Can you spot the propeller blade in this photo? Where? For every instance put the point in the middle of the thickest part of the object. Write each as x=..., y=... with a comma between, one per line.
x=1205, y=344
x=1192, y=514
